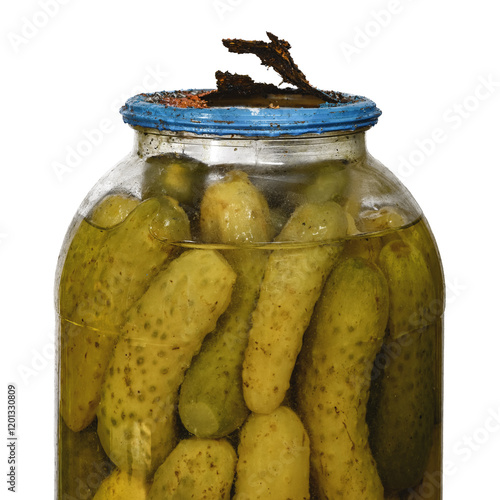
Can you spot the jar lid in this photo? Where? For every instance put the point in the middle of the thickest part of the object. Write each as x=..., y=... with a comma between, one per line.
x=288, y=114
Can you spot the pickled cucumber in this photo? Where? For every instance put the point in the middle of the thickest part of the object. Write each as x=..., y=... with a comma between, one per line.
x=129, y=258
x=291, y=286
x=113, y=209
x=211, y=400
x=419, y=236
x=234, y=211
x=330, y=182
x=402, y=402
x=314, y=182
x=333, y=380
x=379, y=220
x=273, y=458
x=83, y=465
x=197, y=469
x=401, y=409
x=85, y=245
x=123, y=486
x=414, y=302
x=174, y=175
x=162, y=332
x=374, y=221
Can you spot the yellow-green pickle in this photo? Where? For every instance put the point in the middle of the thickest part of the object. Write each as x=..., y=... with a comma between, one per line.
x=250, y=306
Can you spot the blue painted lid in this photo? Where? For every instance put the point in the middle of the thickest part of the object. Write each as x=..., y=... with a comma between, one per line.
x=182, y=111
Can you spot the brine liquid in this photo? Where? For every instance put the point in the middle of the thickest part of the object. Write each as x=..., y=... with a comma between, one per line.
x=83, y=463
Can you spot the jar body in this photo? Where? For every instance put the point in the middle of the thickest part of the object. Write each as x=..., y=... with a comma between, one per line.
x=273, y=306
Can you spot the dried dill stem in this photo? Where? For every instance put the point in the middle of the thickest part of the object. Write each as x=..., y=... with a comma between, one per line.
x=274, y=54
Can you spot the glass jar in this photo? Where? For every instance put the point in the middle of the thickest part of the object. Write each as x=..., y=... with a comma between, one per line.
x=250, y=306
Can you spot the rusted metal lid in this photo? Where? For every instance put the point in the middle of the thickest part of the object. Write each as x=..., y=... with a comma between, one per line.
x=266, y=115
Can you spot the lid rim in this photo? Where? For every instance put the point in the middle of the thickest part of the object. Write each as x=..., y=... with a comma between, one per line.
x=360, y=113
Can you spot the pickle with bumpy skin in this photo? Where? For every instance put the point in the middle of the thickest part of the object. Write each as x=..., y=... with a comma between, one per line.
x=402, y=401
x=211, y=400
x=197, y=469
x=419, y=236
x=401, y=409
x=234, y=211
x=128, y=259
x=273, y=458
x=414, y=303
x=314, y=182
x=131, y=255
x=161, y=334
x=113, y=209
x=291, y=286
x=85, y=246
x=123, y=486
x=174, y=175
x=374, y=222
x=386, y=217
x=333, y=380
x=330, y=181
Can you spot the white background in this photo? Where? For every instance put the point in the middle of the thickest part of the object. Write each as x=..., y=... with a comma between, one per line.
x=432, y=67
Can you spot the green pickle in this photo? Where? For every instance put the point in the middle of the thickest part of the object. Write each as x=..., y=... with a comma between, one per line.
x=401, y=411
x=174, y=175
x=113, y=209
x=413, y=296
x=333, y=380
x=330, y=182
x=197, y=469
x=314, y=182
x=372, y=223
x=291, y=286
x=85, y=245
x=273, y=457
x=211, y=402
x=161, y=334
x=128, y=259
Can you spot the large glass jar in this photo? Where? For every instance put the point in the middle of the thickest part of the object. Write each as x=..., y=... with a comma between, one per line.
x=250, y=307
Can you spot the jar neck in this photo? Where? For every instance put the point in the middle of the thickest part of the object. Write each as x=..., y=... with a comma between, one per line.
x=270, y=151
